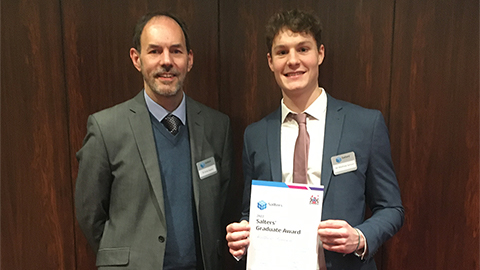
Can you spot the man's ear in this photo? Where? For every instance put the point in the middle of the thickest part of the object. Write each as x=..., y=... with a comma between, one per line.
x=321, y=54
x=135, y=56
x=270, y=63
x=190, y=60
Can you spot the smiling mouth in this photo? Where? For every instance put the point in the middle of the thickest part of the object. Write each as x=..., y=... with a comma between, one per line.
x=292, y=74
x=165, y=75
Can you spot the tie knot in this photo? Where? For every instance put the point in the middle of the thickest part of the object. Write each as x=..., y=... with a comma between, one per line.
x=172, y=123
x=301, y=118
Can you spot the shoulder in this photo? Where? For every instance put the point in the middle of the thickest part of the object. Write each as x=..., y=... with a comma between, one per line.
x=119, y=112
x=260, y=127
x=194, y=107
x=352, y=111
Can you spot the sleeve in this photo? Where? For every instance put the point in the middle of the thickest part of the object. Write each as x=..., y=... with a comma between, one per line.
x=227, y=164
x=247, y=166
x=382, y=191
x=92, y=192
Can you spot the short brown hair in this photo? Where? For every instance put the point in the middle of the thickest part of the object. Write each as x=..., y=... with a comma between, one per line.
x=297, y=21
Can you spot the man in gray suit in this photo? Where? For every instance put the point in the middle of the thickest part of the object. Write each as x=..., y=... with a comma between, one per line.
x=336, y=129
x=154, y=171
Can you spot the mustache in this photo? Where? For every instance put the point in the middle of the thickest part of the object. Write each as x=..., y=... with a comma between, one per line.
x=161, y=71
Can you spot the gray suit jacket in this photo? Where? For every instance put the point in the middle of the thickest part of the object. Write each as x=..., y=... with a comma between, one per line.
x=119, y=195
x=348, y=128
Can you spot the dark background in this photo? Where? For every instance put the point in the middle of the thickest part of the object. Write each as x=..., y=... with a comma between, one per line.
x=416, y=61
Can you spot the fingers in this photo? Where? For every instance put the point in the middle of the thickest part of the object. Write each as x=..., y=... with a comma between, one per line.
x=242, y=226
x=334, y=231
x=338, y=236
x=237, y=237
x=332, y=223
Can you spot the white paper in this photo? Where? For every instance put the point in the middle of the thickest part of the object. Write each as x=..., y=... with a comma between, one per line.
x=284, y=221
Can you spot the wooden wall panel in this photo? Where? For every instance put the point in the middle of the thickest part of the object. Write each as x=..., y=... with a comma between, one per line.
x=100, y=74
x=435, y=131
x=358, y=48
x=36, y=195
x=415, y=61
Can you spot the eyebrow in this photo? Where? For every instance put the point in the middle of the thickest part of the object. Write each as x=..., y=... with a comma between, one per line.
x=303, y=43
x=178, y=45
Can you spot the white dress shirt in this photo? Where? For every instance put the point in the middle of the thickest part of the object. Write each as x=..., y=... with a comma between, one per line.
x=316, y=114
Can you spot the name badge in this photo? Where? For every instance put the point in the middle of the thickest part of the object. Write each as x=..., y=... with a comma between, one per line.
x=206, y=168
x=344, y=163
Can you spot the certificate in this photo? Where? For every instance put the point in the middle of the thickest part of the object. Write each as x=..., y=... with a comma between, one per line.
x=283, y=226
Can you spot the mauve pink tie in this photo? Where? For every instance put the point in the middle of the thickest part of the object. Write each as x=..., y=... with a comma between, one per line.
x=300, y=157
x=300, y=166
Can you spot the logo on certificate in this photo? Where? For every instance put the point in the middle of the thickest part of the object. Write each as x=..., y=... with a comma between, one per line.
x=315, y=199
x=261, y=205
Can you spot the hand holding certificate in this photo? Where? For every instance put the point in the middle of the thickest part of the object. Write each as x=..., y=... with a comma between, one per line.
x=284, y=221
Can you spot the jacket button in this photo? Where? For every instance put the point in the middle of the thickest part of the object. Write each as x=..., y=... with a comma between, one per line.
x=161, y=239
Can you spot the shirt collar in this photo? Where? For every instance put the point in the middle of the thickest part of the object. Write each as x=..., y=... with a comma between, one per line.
x=316, y=109
x=159, y=112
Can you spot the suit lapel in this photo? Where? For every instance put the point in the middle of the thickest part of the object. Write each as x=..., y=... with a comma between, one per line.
x=274, y=144
x=333, y=130
x=143, y=134
x=196, y=125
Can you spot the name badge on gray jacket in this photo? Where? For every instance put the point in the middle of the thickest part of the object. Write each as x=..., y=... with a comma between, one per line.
x=206, y=167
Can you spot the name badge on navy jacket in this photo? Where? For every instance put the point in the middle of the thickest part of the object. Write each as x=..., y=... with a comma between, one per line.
x=206, y=167
x=344, y=163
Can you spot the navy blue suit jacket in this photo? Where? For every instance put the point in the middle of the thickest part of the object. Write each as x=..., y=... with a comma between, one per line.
x=348, y=128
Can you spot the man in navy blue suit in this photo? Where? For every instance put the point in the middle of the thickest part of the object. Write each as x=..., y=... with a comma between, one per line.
x=336, y=129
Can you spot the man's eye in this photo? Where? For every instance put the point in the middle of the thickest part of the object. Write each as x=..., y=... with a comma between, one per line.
x=303, y=49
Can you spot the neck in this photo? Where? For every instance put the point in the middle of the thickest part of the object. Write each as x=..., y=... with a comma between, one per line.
x=300, y=102
x=169, y=103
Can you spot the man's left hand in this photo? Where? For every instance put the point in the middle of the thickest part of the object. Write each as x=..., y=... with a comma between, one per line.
x=339, y=236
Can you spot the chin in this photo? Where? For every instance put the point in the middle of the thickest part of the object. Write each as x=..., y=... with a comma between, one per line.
x=294, y=89
x=167, y=91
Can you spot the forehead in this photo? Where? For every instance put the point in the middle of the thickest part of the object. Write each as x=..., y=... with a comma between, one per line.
x=162, y=31
x=286, y=37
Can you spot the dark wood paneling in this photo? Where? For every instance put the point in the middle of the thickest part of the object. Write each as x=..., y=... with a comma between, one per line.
x=36, y=196
x=358, y=47
x=432, y=108
x=435, y=131
x=99, y=72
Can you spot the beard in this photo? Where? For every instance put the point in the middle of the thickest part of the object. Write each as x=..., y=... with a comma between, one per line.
x=166, y=89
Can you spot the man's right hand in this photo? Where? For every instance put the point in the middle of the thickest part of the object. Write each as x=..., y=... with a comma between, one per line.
x=237, y=237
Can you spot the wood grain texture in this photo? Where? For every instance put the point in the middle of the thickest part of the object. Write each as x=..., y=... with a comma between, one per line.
x=435, y=131
x=416, y=61
x=36, y=195
x=358, y=47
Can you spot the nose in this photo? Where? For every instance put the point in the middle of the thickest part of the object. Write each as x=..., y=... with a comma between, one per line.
x=292, y=58
x=166, y=59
